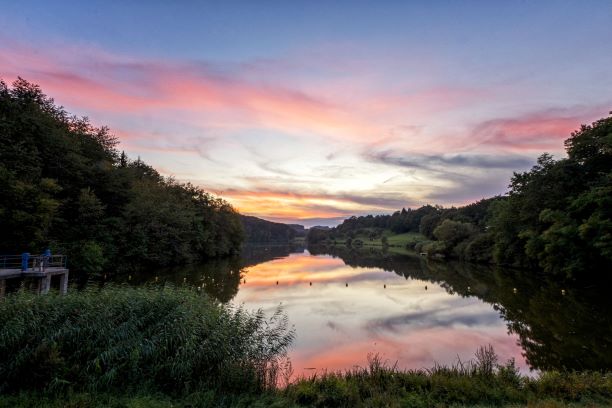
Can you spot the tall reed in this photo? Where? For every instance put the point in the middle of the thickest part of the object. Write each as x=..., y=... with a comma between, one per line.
x=168, y=339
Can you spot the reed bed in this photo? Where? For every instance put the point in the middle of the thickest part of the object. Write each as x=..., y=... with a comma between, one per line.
x=168, y=339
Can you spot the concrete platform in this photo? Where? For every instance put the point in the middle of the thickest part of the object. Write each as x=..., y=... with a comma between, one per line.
x=43, y=275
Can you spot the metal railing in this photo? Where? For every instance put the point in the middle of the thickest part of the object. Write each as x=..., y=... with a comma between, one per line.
x=32, y=263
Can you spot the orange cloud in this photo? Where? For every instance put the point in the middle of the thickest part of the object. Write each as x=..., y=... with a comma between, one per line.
x=295, y=205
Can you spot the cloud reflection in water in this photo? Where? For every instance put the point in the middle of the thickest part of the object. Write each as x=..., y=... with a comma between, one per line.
x=337, y=326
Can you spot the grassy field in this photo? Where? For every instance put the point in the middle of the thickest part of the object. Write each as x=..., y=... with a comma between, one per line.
x=172, y=347
x=406, y=239
x=402, y=241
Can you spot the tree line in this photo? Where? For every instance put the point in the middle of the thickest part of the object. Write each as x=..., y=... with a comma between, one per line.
x=258, y=230
x=556, y=217
x=66, y=186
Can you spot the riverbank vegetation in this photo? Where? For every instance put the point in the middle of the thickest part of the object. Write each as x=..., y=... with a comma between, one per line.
x=163, y=347
x=120, y=339
x=66, y=186
x=557, y=217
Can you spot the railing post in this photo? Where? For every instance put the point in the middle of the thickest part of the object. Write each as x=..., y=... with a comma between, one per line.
x=25, y=258
x=46, y=258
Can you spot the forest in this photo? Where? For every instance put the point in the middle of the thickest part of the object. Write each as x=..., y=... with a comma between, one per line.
x=258, y=230
x=556, y=217
x=66, y=186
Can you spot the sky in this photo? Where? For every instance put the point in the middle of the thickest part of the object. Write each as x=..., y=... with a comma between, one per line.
x=310, y=112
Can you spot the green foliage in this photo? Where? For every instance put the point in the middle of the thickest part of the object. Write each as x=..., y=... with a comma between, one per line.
x=317, y=236
x=166, y=339
x=261, y=231
x=558, y=216
x=65, y=186
x=89, y=255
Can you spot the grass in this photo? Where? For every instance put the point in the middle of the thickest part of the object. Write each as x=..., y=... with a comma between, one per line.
x=481, y=382
x=168, y=339
x=400, y=242
x=405, y=240
x=172, y=347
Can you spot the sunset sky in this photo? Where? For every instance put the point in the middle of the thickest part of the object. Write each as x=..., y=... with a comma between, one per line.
x=313, y=111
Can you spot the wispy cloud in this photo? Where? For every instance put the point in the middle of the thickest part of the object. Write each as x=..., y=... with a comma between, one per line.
x=293, y=138
x=450, y=161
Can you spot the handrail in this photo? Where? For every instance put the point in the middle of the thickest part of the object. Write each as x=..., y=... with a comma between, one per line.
x=38, y=263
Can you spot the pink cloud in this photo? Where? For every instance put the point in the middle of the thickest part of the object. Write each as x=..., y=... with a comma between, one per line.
x=533, y=132
x=110, y=84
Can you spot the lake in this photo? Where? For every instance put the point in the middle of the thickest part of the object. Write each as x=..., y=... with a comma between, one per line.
x=346, y=304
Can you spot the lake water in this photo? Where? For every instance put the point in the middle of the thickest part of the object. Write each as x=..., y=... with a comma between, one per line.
x=346, y=304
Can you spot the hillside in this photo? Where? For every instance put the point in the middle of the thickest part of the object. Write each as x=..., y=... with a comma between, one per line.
x=258, y=230
x=66, y=186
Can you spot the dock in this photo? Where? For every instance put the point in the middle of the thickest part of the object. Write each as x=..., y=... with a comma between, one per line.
x=42, y=268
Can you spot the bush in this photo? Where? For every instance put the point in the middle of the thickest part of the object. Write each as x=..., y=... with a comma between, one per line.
x=480, y=248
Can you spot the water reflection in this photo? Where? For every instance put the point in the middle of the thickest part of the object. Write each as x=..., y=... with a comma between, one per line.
x=219, y=278
x=559, y=324
x=347, y=303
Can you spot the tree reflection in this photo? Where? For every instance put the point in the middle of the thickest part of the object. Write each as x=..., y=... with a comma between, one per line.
x=219, y=278
x=560, y=325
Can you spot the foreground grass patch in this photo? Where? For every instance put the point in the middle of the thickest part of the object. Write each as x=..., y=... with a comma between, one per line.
x=172, y=340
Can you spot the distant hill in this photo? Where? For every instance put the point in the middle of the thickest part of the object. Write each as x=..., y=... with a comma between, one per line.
x=258, y=230
x=299, y=229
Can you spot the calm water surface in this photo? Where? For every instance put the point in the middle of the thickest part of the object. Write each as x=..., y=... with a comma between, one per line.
x=346, y=304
